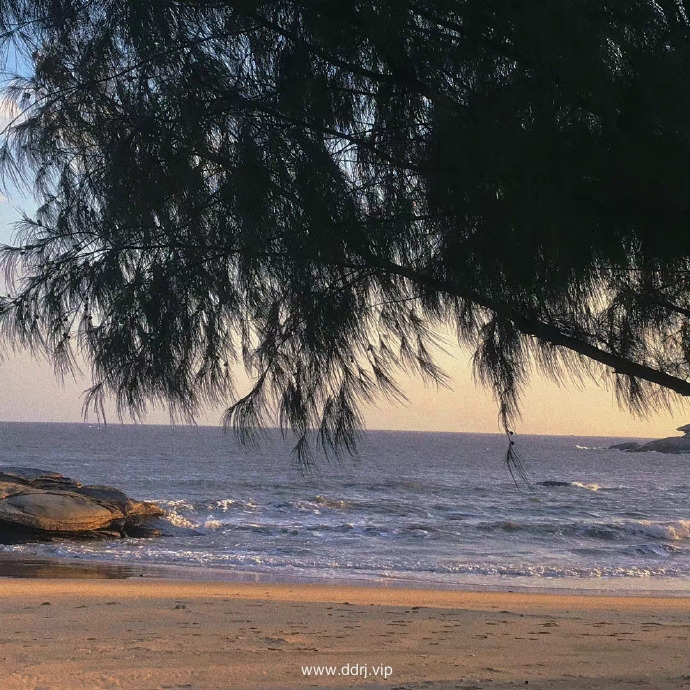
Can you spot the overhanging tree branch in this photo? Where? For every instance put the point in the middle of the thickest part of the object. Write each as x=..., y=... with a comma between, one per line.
x=272, y=184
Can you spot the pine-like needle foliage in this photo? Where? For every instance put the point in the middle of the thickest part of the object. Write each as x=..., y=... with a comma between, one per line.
x=313, y=188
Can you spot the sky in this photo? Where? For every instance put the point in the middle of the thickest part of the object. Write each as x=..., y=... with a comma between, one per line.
x=29, y=392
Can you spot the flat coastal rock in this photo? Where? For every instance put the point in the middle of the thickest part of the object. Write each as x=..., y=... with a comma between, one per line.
x=40, y=505
x=54, y=512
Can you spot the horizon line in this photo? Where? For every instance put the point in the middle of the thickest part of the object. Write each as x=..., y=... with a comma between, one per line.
x=273, y=428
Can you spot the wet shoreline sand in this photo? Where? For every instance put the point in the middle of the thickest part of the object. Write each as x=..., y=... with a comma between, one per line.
x=21, y=565
x=123, y=629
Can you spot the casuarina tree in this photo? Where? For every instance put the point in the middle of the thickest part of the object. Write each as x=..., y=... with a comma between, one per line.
x=313, y=189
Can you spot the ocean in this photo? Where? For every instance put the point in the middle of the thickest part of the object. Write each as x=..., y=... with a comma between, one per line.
x=433, y=510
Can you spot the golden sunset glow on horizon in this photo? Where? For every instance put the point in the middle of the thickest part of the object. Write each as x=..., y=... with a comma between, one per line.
x=30, y=393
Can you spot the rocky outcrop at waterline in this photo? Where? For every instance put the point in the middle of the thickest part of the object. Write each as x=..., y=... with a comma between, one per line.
x=36, y=505
x=671, y=444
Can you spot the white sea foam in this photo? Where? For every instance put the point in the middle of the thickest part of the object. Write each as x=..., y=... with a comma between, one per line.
x=177, y=504
x=543, y=571
x=330, y=502
x=178, y=520
x=212, y=524
x=673, y=531
x=319, y=502
x=590, y=487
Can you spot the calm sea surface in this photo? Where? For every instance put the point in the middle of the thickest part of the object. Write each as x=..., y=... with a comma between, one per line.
x=427, y=509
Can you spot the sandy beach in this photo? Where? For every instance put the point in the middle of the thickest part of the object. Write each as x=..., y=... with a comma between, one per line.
x=151, y=633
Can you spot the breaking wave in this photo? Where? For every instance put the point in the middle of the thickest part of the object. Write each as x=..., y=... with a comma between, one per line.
x=609, y=531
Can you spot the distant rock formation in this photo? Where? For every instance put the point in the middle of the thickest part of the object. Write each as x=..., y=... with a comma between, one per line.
x=36, y=505
x=628, y=446
x=671, y=444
